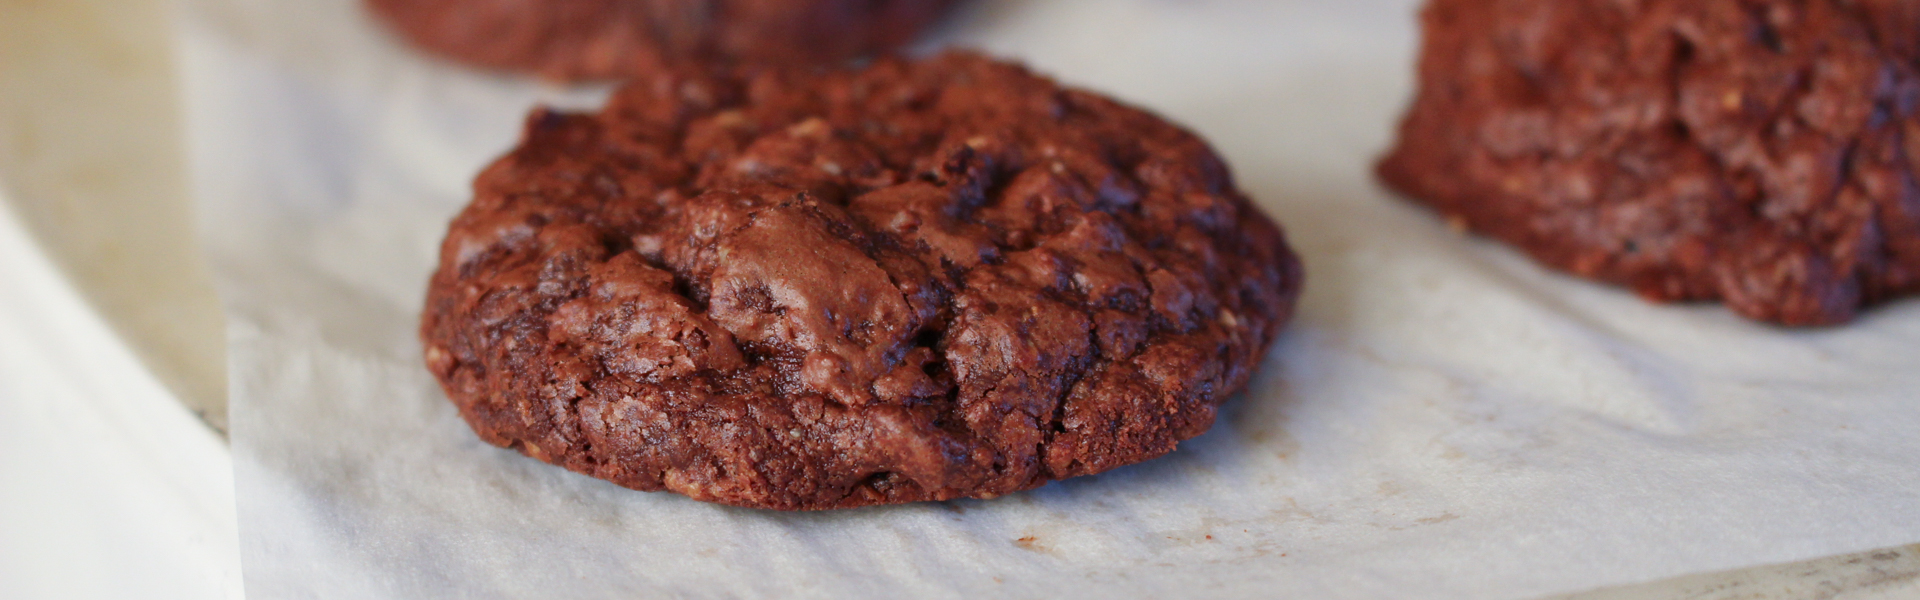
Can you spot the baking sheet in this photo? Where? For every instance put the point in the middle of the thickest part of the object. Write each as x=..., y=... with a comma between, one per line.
x=1443, y=420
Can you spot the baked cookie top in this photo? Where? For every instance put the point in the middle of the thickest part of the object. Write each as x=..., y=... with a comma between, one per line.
x=807, y=289
x=1760, y=152
x=607, y=39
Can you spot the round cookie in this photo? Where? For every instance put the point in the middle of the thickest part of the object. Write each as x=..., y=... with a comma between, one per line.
x=1759, y=152
x=836, y=288
x=605, y=39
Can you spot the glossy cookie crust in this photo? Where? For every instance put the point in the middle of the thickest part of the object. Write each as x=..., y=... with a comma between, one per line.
x=799, y=289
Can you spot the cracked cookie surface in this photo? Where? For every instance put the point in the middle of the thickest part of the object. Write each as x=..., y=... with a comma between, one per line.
x=1757, y=152
x=608, y=39
x=918, y=280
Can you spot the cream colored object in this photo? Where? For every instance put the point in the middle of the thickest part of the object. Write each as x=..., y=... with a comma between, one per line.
x=90, y=155
x=108, y=489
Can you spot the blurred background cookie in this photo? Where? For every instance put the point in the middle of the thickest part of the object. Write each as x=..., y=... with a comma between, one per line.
x=1760, y=152
x=605, y=39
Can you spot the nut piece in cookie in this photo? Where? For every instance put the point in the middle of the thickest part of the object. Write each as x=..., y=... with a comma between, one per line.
x=608, y=39
x=810, y=289
x=1756, y=152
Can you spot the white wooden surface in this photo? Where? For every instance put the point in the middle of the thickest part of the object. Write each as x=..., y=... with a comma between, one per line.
x=1890, y=574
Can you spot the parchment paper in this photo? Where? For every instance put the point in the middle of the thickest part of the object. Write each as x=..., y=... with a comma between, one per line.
x=1443, y=420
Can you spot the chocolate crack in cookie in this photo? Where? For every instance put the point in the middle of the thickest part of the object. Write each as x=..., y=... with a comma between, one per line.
x=1760, y=152
x=604, y=39
x=824, y=289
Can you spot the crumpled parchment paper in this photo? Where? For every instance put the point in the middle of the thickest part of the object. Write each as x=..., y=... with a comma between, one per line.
x=1443, y=420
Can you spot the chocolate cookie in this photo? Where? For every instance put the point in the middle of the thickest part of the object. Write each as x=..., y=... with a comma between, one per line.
x=1760, y=152
x=602, y=39
x=835, y=288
